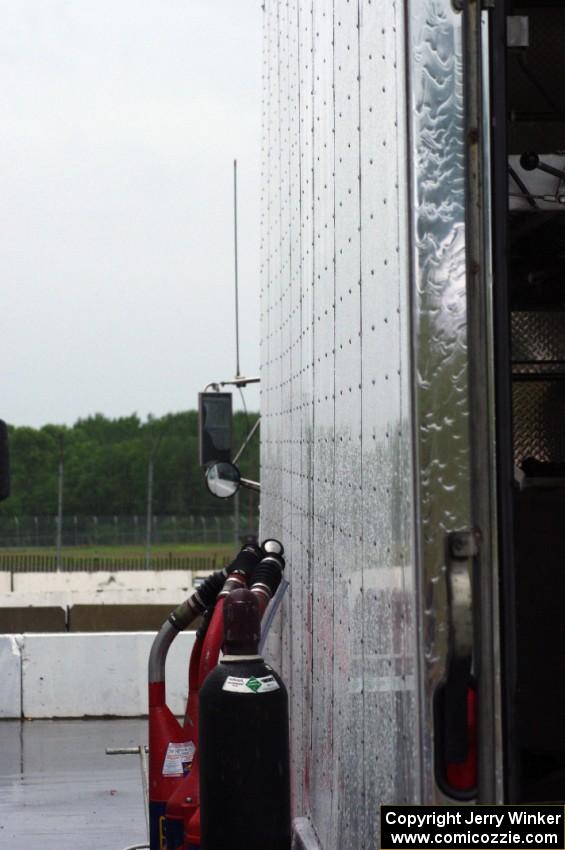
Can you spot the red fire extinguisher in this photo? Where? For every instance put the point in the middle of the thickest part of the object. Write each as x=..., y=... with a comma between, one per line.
x=184, y=800
x=172, y=746
x=263, y=580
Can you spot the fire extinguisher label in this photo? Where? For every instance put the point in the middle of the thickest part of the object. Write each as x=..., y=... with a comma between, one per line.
x=178, y=758
x=252, y=685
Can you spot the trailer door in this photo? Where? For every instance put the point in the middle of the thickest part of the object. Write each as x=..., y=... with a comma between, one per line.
x=453, y=401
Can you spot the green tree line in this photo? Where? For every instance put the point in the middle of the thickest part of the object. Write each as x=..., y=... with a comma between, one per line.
x=105, y=465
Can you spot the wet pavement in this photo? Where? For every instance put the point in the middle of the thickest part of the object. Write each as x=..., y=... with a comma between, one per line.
x=59, y=789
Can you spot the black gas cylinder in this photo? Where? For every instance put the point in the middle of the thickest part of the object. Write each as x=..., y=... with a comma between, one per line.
x=244, y=747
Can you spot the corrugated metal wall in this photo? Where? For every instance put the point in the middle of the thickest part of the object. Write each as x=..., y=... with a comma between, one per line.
x=336, y=440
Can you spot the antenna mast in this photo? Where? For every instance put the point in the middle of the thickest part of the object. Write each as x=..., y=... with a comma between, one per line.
x=237, y=372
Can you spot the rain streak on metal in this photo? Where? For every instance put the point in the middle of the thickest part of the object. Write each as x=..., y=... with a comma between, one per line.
x=337, y=433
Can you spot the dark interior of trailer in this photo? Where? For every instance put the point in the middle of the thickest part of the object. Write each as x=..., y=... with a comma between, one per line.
x=528, y=103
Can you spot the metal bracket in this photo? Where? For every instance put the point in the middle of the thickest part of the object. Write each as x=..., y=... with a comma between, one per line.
x=141, y=751
x=238, y=381
x=462, y=547
x=304, y=837
x=458, y=5
x=247, y=441
x=464, y=544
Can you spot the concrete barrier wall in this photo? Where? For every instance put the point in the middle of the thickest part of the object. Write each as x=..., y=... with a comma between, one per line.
x=86, y=675
x=82, y=611
x=46, y=618
x=179, y=581
x=67, y=598
x=112, y=618
x=10, y=675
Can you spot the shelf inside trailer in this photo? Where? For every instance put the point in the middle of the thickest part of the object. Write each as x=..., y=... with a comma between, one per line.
x=538, y=385
x=531, y=303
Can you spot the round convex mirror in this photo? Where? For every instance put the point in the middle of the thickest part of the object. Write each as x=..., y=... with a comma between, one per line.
x=223, y=479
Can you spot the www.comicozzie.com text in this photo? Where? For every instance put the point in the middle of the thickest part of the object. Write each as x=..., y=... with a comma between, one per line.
x=473, y=827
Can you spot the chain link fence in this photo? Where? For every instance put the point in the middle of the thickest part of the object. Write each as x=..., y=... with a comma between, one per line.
x=41, y=531
x=38, y=562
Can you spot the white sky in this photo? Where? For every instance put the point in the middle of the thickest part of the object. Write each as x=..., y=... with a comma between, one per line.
x=120, y=123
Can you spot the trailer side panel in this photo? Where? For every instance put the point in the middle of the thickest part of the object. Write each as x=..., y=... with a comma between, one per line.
x=337, y=480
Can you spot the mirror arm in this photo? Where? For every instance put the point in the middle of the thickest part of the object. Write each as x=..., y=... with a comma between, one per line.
x=247, y=441
x=240, y=381
x=251, y=485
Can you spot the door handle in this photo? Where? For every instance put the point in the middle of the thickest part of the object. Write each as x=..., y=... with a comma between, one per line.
x=462, y=548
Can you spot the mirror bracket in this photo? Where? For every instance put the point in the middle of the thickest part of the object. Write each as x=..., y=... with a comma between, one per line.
x=238, y=381
x=250, y=485
x=224, y=480
x=247, y=441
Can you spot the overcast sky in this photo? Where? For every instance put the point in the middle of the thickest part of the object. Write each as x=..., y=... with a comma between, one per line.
x=120, y=123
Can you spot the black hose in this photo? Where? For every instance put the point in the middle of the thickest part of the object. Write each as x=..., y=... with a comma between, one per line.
x=245, y=561
x=269, y=573
x=203, y=627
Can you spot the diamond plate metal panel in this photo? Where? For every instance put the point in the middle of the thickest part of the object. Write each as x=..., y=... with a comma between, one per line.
x=538, y=412
x=538, y=336
x=538, y=392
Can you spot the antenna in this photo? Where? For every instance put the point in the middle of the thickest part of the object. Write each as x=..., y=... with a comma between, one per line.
x=237, y=372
